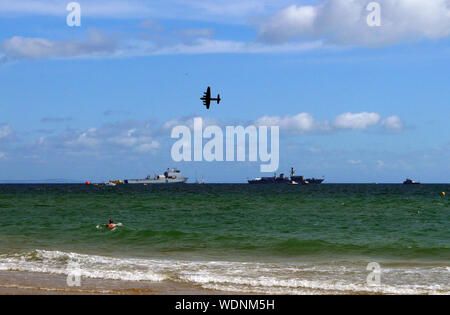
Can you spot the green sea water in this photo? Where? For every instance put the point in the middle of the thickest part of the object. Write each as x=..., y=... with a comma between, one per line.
x=247, y=238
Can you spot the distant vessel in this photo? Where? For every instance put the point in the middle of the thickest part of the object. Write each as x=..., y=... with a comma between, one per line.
x=315, y=180
x=114, y=182
x=286, y=180
x=410, y=182
x=171, y=176
x=270, y=180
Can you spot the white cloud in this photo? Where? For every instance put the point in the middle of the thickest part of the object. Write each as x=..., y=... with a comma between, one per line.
x=327, y=21
x=345, y=22
x=148, y=147
x=235, y=11
x=84, y=139
x=299, y=122
x=143, y=137
x=19, y=47
x=392, y=123
x=305, y=122
x=380, y=164
x=122, y=137
x=5, y=132
x=356, y=121
x=214, y=46
x=99, y=45
x=296, y=28
x=97, y=8
x=302, y=122
x=289, y=22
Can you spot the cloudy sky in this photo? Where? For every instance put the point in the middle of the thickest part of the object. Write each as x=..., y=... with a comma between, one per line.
x=354, y=103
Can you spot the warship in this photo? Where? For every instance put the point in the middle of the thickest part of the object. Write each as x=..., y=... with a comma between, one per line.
x=293, y=179
x=171, y=176
x=410, y=182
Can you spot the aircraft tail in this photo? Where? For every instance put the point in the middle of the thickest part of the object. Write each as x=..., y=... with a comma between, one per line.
x=218, y=98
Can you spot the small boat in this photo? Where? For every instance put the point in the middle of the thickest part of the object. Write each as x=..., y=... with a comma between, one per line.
x=114, y=183
x=410, y=182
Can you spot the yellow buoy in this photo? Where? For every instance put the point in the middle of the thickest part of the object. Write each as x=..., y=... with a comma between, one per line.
x=443, y=194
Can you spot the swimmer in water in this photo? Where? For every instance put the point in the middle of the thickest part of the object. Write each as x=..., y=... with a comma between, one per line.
x=111, y=224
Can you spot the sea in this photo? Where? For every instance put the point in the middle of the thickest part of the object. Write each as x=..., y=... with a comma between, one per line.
x=240, y=238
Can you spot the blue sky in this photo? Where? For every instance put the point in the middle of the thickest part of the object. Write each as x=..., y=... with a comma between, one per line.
x=354, y=103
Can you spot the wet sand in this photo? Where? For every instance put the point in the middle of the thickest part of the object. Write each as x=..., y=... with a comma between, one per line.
x=23, y=283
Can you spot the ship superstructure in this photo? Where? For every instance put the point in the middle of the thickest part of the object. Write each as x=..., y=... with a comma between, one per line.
x=171, y=176
x=293, y=179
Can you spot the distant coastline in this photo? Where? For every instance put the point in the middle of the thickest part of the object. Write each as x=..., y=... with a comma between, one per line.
x=41, y=181
x=68, y=182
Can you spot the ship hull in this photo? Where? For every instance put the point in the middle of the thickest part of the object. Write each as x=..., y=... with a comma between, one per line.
x=258, y=182
x=315, y=181
x=171, y=176
x=300, y=180
x=410, y=182
x=156, y=181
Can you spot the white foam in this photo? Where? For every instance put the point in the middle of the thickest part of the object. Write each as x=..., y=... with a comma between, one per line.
x=245, y=277
x=91, y=266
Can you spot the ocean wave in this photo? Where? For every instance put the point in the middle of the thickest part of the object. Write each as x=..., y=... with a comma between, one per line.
x=275, y=245
x=298, y=247
x=245, y=277
x=90, y=266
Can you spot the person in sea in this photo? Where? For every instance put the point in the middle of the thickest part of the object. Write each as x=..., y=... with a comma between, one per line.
x=111, y=224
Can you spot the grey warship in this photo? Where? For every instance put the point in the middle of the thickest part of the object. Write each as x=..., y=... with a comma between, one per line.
x=292, y=180
x=171, y=176
x=409, y=181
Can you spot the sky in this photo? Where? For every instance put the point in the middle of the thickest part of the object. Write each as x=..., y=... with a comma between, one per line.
x=354, y=103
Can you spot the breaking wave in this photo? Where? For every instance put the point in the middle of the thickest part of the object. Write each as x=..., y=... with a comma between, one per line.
x=244, y=277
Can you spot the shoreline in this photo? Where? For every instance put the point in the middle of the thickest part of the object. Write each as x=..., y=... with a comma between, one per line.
x=40, y=283
x=36, y=283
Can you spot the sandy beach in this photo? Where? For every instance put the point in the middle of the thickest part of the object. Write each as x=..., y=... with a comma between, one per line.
x=24, y=283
